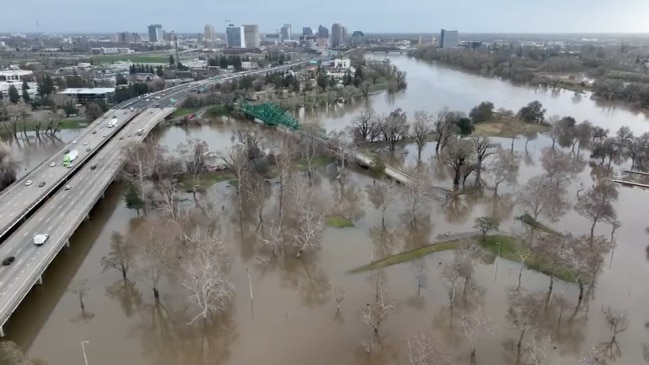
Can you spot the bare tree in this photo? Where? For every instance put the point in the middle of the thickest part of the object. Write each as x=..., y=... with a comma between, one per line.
x=585, y=261
x=205, y=279
x=156, y=243
x=382, y=194
x=311, y=145
x=375, y=313
x=194, y=156
x=503, y=168
x=339, y=296
x=341, y=147
x=541, y=197
x=258, y=192
x=618, y=322
x=236, y=158
x=120, y=256
x=394, y=127
x=168, y=201
x=597, y=204
x=594, y=357
x=139, y=159
x=482, y=148
x=424, y=349
x=526, y=313
x=540, y=349
x=285, y=160
x=309, y=223
x=458, y=155
x=476, y=326
x=422, y=129
x=361, y=127
x=445, y=129
x=80, y=289
x=555, y=250
x=415, y=195
x=512, y=128
x=10, y=354
x=8, y=167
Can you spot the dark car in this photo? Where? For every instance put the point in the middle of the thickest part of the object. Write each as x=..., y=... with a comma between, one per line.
x=41, y=184
x=8, y=261
x=93, y=167
x=94, y=132
x=66, y=152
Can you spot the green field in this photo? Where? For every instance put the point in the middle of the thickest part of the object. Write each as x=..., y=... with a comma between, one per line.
x=135, y=58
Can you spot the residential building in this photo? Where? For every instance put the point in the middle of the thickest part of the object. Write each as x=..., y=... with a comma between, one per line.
x=15, y=75
x=449, y=39
x=234, y=36
x=209, y=35
x=156, y=34
x=342, y=63
x=286, y=32
x=307, y=31
x=251, y=35
x=336, y=35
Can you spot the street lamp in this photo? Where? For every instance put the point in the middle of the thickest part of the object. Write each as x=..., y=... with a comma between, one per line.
x=83, y=348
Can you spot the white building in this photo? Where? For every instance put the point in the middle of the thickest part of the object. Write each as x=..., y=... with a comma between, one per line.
x=235, y=36
x=16, y=78
x=251, y=35
x=209, y=35
x=343, y=63
x=248, y=65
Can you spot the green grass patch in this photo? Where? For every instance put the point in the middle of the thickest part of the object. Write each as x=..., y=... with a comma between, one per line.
x=337, y=221
x=496, y=128
x=530, y=221
x=30, y=126
x=135, y=58
x=408, y=256
x=506, y=247
x=317, y=162
x=181, y=112
x=204, y=180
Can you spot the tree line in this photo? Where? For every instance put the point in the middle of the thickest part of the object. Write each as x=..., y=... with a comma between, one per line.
x=614, y=79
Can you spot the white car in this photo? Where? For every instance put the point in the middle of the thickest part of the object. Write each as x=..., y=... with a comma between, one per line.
x=85, y=143
x=28, y=182
x=39, y=239
x=68, y=187
x=74, y=142
x=52, y=164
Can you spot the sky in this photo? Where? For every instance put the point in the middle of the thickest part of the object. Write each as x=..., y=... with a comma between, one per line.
x=369, y=16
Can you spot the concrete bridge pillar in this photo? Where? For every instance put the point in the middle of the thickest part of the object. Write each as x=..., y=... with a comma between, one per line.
x=40, y=280
x=87, y=216
x=67, y=243
x=2, y=331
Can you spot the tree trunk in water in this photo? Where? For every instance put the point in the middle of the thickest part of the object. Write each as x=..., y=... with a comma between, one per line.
x=456, y=178
x=592, y=232
x=520, y=342
x=156, y=293
x=520, y=274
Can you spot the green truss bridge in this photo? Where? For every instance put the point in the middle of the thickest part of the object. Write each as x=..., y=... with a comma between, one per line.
x=271, y=115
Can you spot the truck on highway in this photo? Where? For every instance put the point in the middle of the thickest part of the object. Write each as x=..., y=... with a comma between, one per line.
x=69, y=158
x=112, y=123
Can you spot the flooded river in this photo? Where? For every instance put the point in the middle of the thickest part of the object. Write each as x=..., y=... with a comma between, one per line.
x=293, y=318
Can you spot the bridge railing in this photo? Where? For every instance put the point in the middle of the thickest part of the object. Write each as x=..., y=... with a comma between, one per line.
x=55, y=246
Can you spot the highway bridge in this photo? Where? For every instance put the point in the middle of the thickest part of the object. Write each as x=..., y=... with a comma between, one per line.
x=58, y=212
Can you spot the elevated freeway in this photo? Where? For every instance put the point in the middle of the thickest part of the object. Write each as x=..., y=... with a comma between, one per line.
x=20, y=200
x=61, y=216
x=65, y=210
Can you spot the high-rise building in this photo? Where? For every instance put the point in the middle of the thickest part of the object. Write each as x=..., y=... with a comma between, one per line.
x=336, y=35
x=286, y=32
x=209, y=35
x=449, y=39
x=307, y=31
x=251, y=35
x=323, y=32
x=156, y=34
x=235, y=36
x=345, y=38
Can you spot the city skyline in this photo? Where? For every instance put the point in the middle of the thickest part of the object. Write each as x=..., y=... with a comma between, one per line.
x=497, y=16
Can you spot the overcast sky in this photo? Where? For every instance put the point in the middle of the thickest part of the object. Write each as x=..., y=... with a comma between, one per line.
x=468, y=16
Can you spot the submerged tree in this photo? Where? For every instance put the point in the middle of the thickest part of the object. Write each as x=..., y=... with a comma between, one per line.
x=476, y=326
x=120, y=256
x=8, y=167
x=425, y=349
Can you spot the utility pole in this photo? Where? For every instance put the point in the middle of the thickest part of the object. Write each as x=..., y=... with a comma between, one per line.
x=83, y=348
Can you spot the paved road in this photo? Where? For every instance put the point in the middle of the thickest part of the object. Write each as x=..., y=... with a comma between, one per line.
x=19, y=199
x=60, y=216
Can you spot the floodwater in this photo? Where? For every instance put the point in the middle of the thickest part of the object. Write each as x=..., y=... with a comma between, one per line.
x=293, y=318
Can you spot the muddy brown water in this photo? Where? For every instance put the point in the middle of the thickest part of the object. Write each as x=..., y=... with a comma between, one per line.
x=293, y=319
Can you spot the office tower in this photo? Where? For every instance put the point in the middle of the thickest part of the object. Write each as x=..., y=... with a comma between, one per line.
x=286, y=32
x=323, y=32
x=336, y=35
x=209, y=35
x=345, y=39
x=449, y=39
x=307, y=31
x=235, y=36
x=251, y=35
x=155, y=33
